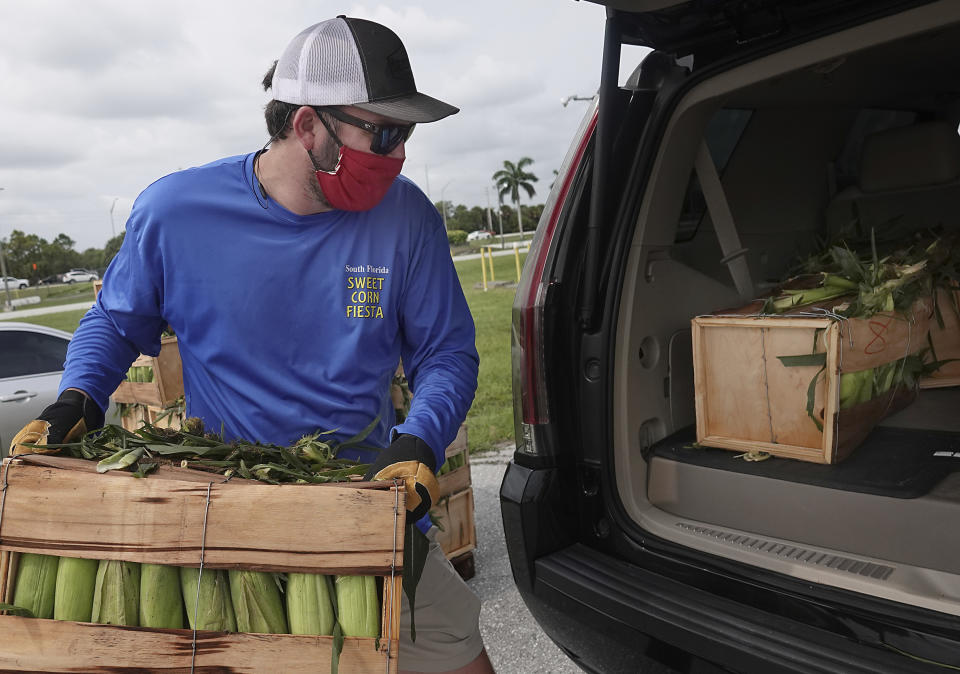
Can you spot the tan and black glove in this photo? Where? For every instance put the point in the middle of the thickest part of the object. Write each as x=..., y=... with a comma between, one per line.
x=66, y=420
x=410, y=459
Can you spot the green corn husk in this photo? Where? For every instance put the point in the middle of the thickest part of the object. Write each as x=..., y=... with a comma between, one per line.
x=161, y=604
x=215, y=608
x=257, y=603
x=866, y=386
x=358, y=607
x=309, y=608
x=116, y=596
x=36, y=584
x=76, y=580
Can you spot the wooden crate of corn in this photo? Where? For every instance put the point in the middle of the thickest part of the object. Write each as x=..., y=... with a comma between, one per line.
x=454, y=474
x=945, y=340
x=290, y=572
x=453, y=515
x=154, y=380
x=135, y=415
x=803, y=387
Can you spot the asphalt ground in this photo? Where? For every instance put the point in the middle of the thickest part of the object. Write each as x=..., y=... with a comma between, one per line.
x=514, y=640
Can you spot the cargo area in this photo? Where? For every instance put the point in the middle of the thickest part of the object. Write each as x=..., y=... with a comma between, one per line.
x=759, y=165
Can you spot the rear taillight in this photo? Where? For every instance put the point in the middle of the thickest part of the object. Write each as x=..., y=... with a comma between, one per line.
x=529, y=381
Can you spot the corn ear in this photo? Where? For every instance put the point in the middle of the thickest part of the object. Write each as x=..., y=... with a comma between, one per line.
x=257, y=602
x=358, y=608
x=309, y=607
x=161, y=604
x=116, y=596
x=76, y=580
x=36, y=584
x=215, y=608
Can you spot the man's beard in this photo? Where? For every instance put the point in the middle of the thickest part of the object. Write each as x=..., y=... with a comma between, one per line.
x=326, y=160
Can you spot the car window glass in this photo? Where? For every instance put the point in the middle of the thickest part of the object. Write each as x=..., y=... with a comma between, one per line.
x=723, y=133
x=24, y=353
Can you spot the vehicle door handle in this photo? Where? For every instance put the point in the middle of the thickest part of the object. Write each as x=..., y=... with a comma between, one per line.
x=18, y=395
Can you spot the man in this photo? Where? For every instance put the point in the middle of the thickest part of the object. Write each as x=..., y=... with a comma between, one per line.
x=295, y=280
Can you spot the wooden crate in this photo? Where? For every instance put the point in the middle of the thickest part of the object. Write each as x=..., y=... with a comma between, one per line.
x=746, y=399
x=167, y=384
x=946, y=342
x=459, y=478
x=136, y=415
x=61, y=506
x=453, y=516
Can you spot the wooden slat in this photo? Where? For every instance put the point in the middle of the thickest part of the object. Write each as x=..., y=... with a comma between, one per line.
x=746, y=399
x=74, y=513
x=946, y=342
x=455, y=520
x=458, y=479
x=167, y=384
x=33, y=645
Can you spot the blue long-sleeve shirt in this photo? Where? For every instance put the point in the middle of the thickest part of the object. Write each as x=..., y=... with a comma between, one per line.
x=286, y=324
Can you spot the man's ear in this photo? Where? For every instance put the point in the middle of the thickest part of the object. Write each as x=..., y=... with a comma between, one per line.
x=307, y=126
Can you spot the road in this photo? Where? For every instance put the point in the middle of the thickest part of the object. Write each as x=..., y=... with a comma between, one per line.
x=514, y=641
x=17, y=314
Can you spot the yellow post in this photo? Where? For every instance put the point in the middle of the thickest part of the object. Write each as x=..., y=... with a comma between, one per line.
x=516, y=255
x=483, y=268
x=490, y=253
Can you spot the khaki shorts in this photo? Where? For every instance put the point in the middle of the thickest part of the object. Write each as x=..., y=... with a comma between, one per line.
x=448, y=618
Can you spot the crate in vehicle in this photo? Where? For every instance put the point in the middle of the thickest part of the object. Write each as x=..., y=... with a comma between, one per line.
x=61, y=506
x=166, y=374
x=748, y=399
x=453, y=516
x=945, y=339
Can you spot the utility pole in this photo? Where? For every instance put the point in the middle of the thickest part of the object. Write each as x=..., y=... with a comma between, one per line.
x=490, y=220
x=7, y=305
x=426, y=172
x=443, y=204
x=113, y=229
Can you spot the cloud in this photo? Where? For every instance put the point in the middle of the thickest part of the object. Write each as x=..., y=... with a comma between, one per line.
x=102, y=97
x=418, y=29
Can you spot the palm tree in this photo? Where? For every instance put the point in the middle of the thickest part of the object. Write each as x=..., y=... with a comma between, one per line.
x=511, y=179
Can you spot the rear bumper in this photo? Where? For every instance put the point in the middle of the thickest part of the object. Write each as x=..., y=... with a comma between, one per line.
x=611, y=616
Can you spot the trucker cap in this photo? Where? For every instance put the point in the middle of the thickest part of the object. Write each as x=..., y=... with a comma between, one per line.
x=346, y=61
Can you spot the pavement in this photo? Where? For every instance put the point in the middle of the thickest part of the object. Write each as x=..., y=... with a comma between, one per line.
x=17, y=314
x=514, y=640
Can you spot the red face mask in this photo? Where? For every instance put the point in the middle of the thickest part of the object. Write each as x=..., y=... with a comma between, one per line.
x=360, y=180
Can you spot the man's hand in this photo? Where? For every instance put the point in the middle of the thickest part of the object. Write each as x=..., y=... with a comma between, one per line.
x=66, y=420
x=410, y=459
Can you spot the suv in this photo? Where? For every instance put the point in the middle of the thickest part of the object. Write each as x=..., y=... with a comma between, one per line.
x=751, y=132
x=13, y=283
x=79, y=275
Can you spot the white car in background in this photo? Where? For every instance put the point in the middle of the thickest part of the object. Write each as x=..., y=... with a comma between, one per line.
x=479, y=235
x=31, y=363
x=79, y=275
x=13, y=283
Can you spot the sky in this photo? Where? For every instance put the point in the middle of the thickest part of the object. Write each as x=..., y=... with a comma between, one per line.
x=102, y=97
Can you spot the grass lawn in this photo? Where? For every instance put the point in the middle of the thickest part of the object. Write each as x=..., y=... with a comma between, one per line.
x=54, y=295
x=62, y=320
x=490, y=420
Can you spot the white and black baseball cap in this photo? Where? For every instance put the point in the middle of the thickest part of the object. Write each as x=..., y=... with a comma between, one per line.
x=346, y=61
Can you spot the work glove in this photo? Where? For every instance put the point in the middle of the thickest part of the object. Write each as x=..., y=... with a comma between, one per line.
x=410, y=459
x=66, y=420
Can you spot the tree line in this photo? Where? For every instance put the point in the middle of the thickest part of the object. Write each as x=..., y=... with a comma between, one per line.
x=32, y=257
x=510, y=215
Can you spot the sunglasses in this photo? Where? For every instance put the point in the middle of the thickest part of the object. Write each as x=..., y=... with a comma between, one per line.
x=385, y=138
